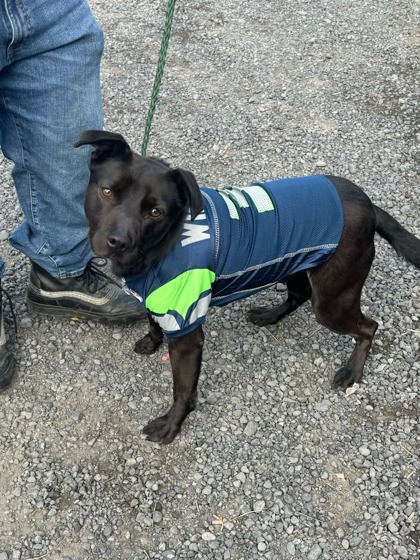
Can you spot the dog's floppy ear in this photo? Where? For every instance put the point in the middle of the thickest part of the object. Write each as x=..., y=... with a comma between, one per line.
x=106, y=144
x=188, y=183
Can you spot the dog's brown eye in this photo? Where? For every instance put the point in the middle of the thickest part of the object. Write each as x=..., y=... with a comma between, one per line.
x=155, y=212
x=107, y=193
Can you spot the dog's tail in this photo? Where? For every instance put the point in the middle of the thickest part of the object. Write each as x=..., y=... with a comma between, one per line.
x=405, y=243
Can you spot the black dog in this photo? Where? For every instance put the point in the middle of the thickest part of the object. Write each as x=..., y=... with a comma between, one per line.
x=142, y=214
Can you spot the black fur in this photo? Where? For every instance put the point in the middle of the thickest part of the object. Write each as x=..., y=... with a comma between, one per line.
x=136, y=207
x=137, y=185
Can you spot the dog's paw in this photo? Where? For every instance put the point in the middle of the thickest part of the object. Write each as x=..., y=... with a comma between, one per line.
x=161, y=430
x=261, y=316
x=345, y=377
x=146, y=345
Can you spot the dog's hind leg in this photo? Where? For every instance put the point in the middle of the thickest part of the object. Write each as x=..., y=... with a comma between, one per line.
x=337, y=284
x=352, y=371
x=298, y=291
x=336, y=293
x=354, y=323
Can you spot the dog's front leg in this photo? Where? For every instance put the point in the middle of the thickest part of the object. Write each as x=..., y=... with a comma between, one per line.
x=153, y=339
x=185, y=354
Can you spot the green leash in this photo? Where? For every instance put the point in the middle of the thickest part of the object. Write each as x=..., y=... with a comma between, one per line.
x=170, y=8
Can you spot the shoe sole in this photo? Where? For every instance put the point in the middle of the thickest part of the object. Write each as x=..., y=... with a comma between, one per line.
x=60, y=312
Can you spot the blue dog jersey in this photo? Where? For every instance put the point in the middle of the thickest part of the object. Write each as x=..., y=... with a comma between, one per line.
x=244, y=241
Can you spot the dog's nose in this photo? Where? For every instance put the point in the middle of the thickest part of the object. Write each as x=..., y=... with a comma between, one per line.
x=117, y=243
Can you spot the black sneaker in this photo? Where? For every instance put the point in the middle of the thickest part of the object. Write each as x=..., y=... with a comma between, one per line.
x=92, y=295
x=7, y=361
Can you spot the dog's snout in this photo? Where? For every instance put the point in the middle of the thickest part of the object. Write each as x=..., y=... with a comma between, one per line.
x=117, y=242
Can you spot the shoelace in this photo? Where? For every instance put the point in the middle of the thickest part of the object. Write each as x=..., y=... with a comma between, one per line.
x=94, y=278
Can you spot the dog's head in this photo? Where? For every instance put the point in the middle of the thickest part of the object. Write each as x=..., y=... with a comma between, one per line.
x=135, y=205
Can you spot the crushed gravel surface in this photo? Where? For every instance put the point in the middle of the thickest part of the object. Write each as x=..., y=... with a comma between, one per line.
x=273, y=464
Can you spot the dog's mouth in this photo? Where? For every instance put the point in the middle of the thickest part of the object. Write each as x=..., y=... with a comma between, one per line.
x=124, y=259
x=127, y=265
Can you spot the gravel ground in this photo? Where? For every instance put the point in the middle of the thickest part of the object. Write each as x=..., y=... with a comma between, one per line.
x=273, y=464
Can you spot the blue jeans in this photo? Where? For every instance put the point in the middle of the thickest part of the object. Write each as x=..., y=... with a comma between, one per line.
x=50, y=56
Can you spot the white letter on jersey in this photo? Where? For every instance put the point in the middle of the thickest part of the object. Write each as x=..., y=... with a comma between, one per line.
x=194, y=233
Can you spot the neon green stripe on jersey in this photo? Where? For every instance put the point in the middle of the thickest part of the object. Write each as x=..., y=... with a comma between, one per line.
x=260, y=198
x=180, y=293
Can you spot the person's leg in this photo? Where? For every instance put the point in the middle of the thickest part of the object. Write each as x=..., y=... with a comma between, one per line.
x=49, y=93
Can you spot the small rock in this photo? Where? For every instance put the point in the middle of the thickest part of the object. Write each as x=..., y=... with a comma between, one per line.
x=402, y=551
x=363, y=450
x=323, y=406
x=339, y=532
x=392, y=528
x=291, y=549
x=345, y=544
x=107, y=532
x=207, y=536
x=250, y=428
x=77, y=527
x=258, y=506
x=315, y=552
x=212, y=398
